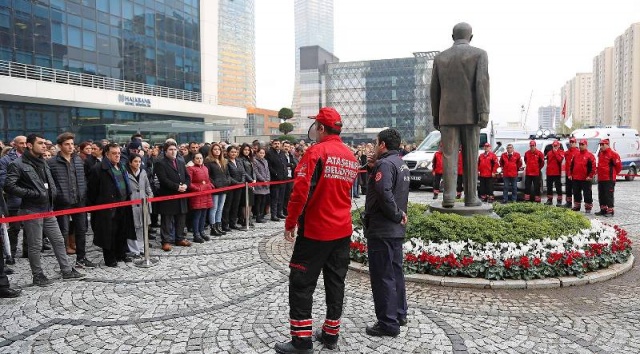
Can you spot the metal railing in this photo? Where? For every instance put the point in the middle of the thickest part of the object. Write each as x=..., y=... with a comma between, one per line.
x=40, y=73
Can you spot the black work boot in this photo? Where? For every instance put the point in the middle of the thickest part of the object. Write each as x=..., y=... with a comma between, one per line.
x=289, y=348
x=328, y=341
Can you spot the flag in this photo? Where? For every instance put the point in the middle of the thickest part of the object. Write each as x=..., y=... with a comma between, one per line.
x=569, y=121
x=564, y=109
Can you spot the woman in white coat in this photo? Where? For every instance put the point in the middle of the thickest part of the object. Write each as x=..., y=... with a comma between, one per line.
x=140, y=188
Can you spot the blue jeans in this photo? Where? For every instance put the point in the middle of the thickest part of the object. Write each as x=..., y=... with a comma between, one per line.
x=510, y=184
x=199, y=217
x=215, y=213
x=355, y=191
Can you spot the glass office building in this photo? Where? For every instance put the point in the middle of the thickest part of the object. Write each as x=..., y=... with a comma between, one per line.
x=124, y=61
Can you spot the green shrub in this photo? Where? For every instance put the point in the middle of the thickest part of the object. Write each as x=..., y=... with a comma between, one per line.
x=518, y=222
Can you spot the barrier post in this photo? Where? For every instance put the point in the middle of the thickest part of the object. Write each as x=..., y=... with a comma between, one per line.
x=247, y=212
x=147, y=261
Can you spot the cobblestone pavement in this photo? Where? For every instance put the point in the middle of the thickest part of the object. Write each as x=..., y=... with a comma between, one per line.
x=230, y=295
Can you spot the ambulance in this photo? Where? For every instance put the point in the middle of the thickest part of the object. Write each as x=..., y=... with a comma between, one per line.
x=624, y=141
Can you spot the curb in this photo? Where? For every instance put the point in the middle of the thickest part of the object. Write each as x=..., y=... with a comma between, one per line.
x=478, y=283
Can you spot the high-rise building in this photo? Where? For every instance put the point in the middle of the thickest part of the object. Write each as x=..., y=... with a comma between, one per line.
x=549, y=117
x=578, y=93
x=107, y=69
x=313, y=27
x=626, y=78
x=236, y=53
x=603, y=87
x=263, y=122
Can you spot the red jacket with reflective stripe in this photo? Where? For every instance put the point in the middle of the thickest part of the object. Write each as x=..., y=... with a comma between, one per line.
x=609, y=165
x=321, y=193
x=436, y=164
x=554, y=162
x=534, y=162
x=487, y=164
x=583, y=166
x=568, y=157
x=510, y=165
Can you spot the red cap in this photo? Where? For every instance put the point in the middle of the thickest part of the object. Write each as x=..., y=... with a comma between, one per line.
x=584, y=142
x=329, y=117
x=487, y=145
x=604, y=141
x=532, y=143
x=556, y=143
x=572, y=140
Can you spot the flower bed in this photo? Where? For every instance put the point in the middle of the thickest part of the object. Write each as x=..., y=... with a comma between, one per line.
x=595, y=247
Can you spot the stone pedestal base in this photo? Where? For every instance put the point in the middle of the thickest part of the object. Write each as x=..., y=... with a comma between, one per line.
x=460, y=209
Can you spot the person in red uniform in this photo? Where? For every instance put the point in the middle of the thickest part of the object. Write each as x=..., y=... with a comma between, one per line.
x=459, y=184
x=320, y=207
x=609, y=165
x=582, y=170
x=487, y=169
x=568, y=183
x=511, y=163
x=534, y=161
x=555, y=156
x=436, y=165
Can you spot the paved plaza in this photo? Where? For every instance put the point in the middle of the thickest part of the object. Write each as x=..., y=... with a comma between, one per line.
x=230, y=296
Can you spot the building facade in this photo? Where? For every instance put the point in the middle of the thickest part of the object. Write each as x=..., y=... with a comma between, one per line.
x=549, y=117
x=262, y=122
x=603, y=87
x=236, y=53
x=313, y=27
x=578, y=93
x=109, y=68
x=372, y=95
x=626, y=78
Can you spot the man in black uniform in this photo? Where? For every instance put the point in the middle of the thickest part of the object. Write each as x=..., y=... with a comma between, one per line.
x=385, y=228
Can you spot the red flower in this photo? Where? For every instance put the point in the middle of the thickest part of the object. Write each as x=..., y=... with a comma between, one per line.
x=467, y=261
x=524, y=262
x=508, y=263
x=410, y=257
x=554, y=257
x=537, y=261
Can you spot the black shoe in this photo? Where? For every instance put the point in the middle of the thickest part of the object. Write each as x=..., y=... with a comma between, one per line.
x=25, y=254
x=600, y=213
x=326, y=340
x=72, y=274
x=8, y=271
x=261, y=220
x=10, y=261
x=226, y=228
x=435, y=196
x=215, y=231
x=234, y=227
x=6, y=293
x=111, y=264
x=198, y=239
x=205, y=237
x=85, y=263
x=282, y=216
x=288, y=348
x=402, y=321
x=273, y=218
x=377, y=331
x=356, y=196
x=608, y=215
x=41, y=280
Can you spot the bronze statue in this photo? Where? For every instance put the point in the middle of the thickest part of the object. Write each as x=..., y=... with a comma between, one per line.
x=460, y=106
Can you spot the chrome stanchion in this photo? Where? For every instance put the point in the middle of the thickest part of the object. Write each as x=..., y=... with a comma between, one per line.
x=147, y=261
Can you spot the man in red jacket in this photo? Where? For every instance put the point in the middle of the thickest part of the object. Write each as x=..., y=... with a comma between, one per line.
x=511, y=163
x=436, y=165
x=609, y=165
x=568, y=183
x=555, y=156
x=534, y=161
x=582, y=170
x=320, y=207
x=487, y=169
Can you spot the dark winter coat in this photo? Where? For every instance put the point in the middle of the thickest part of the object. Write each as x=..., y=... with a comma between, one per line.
x=102, y=189
x=28, y=180
x=70, y=181
x=218, y=175
x=236, y=172
x=13, y=202
x=170, y=179
x=277, y=167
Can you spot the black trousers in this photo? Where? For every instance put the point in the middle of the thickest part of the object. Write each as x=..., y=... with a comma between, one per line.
x=486, y=187
x=79, y=229
x=308, y=259
x=287, y=189
x=14, y=231
x=276, y=193
x=605, y=193
x=387, y=281
x=532, y=188
x=260, y=203
x=4, y=280
x=551, y=182
x=581, y=188
x=459, y=184
x=437, y=179
x=232, y=207
x=568, y=187
x=118, y=242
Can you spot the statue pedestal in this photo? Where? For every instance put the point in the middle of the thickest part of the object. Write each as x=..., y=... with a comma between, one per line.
x=460, y=209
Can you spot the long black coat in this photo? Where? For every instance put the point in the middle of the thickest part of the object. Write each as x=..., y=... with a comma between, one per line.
x=111, y=222
x=170, y=179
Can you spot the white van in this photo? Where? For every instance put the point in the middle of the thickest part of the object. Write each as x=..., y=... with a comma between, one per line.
x=624, y=141
x=419, y=160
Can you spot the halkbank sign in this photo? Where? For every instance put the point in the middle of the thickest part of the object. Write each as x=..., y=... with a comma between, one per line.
x=134, y=101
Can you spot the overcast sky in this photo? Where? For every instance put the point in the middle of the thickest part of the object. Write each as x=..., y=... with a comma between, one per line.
x=533, y=46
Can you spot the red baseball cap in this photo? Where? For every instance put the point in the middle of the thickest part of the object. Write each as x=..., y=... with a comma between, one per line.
x=584, y=142
x=572, y=140
x=532, y=143
x=329, y=117
x=604, y=141
x=556, y=143
x=487, y=145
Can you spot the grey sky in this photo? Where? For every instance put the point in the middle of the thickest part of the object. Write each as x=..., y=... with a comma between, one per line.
x=533, y=45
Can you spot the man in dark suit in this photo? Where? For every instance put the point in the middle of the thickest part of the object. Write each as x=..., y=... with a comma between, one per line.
x=460, y=107
x=278, y=172
x=173, y=178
